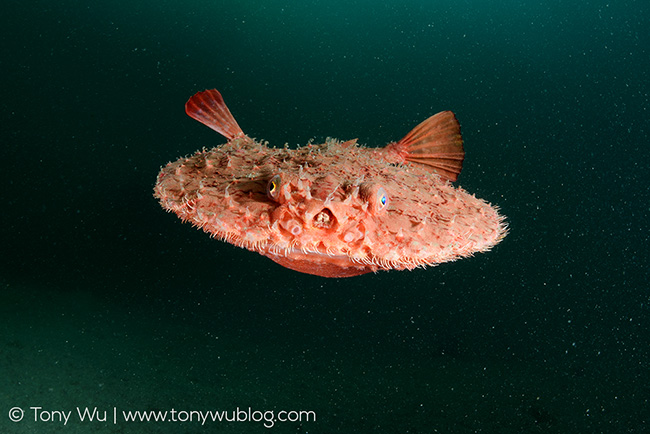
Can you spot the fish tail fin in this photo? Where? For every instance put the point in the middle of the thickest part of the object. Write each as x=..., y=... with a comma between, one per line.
x=209, y=108
x=435, y=144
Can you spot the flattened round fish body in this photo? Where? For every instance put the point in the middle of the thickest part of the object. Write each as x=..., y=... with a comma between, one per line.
x=334, y=209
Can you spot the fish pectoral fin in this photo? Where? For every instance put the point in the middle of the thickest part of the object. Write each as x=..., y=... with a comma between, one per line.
x=435, y=144
x=209, y=108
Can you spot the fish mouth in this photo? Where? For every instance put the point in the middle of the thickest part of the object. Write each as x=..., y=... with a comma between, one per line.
x=324, y=219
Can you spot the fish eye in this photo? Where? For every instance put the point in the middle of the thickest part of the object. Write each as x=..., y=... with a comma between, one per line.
x=376, y=197
x=273, y=187
x=382, y=198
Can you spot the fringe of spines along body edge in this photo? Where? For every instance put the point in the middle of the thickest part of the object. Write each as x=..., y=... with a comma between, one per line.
x=373, y=261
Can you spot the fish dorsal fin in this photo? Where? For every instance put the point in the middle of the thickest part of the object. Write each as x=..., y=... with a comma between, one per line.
x=435, y=144
x=208, y=108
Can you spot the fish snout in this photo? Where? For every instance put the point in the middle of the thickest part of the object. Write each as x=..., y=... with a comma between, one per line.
x=321, y=216
x=324, y=219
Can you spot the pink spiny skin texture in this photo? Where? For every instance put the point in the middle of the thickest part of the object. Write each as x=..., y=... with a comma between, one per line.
x=335, y=209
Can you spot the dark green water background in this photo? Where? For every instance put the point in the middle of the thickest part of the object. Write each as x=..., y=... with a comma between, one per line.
x=108, y=301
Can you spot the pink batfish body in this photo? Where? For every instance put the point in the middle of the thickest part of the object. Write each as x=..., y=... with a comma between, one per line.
x=335, y=209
